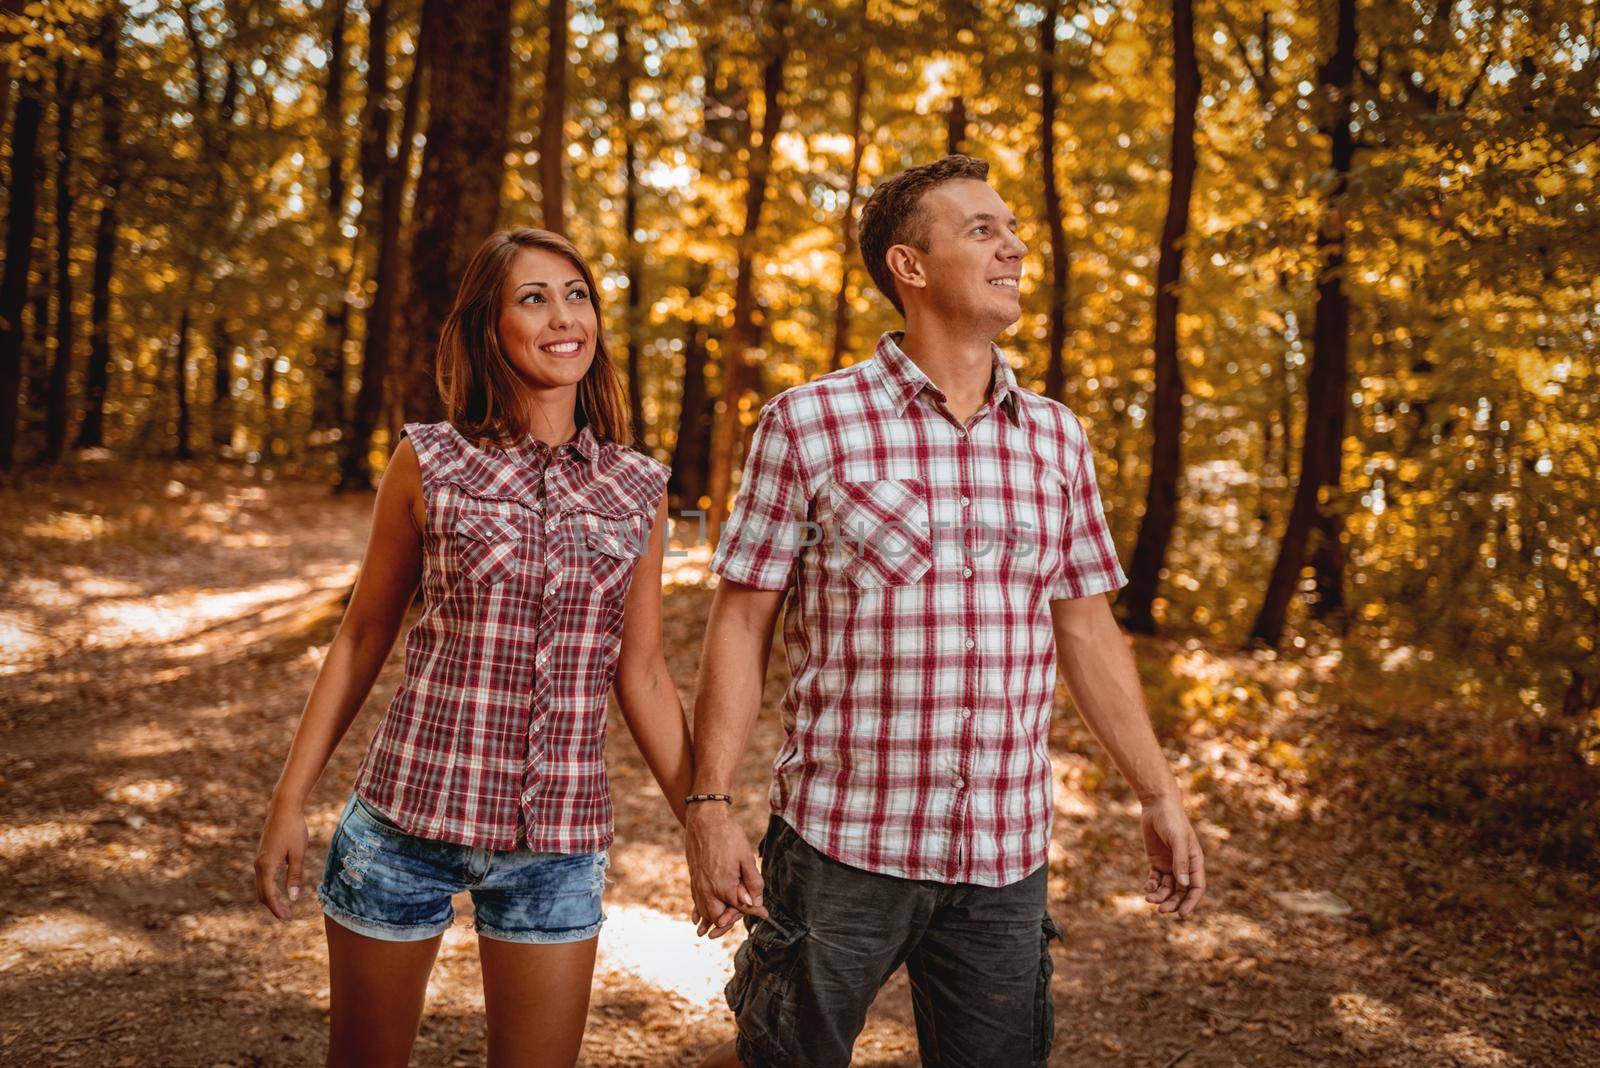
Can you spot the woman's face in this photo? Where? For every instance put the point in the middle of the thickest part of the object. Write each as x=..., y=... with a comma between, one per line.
x=547, y=324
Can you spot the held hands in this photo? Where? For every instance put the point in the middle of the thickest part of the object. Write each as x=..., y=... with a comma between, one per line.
x=723, y=873
x=282, y=848
x=1177, y=879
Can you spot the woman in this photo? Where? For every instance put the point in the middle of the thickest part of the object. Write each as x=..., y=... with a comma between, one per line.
x=537, y=537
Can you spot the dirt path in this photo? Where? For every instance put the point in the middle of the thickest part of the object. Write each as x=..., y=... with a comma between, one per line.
x=160, y=637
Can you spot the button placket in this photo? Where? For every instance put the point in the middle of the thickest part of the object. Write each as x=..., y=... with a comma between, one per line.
x=541, y=690
x=961, y=809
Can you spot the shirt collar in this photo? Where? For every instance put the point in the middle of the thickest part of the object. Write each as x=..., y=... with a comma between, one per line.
x=584, y=444
x=903, y=379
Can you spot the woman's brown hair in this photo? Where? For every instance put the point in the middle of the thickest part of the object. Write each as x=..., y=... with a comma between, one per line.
x=477, y=382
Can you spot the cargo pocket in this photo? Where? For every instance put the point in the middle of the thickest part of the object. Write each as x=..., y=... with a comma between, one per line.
x=761, y=992
x=1044, y=1012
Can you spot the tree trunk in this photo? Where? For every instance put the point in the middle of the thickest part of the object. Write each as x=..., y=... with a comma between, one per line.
x=1166, y=461
x=553, y=121
x=55, y=425
x=269, y=411
x=1055, y=369
x=691, y=456
x=222, y=408
x=20, y=224
x=1326, y=383
x=847, y=224
x=633, y=257
x=736, y=369
x=328, y=387
x=955, y=130
x=463, y=168
x=97, y=376
x=180, y=382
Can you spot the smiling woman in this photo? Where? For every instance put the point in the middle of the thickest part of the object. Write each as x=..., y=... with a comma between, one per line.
x=527, y=314
x=536, y=535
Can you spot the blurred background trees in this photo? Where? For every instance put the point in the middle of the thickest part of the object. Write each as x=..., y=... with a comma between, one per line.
x=1319, y=278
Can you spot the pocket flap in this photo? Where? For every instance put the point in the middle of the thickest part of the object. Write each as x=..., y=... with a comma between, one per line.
x=488, y=528
x=621, y=545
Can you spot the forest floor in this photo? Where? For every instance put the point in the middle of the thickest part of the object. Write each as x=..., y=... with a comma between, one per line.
x=161, y=628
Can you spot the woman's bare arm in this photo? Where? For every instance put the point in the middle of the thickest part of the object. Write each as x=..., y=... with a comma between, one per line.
x=390, y=572
x=645, y=690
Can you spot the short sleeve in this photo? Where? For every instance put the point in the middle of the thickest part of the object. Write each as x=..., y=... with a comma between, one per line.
x=760, y=540
x=1089, y=559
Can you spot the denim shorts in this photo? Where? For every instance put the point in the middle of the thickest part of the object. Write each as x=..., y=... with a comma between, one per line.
x=978, y=958
x=385, y=883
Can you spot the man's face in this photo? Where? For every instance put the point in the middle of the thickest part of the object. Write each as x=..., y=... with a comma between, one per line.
x=973, y=262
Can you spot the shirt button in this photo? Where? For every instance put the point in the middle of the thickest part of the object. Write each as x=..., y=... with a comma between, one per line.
x=966, y=713
x=965, y=500
x=960, y=783
x=967, y=571
x=971, y=643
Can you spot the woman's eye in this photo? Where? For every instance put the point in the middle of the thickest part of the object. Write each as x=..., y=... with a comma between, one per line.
x=529, y=298
x=579, y=293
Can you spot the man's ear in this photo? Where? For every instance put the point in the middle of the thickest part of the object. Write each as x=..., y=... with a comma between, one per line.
x=906, y=267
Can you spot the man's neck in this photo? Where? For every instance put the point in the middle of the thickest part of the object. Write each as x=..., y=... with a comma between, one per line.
x=960, y=363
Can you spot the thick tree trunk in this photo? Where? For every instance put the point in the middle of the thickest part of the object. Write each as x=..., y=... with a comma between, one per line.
x=20, y=224
x=691, y=454
x=97, y=375
x=737, y=372
x=55, y=424
x=1166, y=461
x=328, y=388
x=1327, y=385
x=847, y=224
x=553, y=121
x=463, y=168
x=1055, y=369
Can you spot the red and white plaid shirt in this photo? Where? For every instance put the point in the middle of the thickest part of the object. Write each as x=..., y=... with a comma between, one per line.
x=496, y=737
x=922, y=556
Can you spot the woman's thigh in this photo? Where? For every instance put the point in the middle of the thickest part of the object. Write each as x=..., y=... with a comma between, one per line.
x=376, y=990
x=537, y=995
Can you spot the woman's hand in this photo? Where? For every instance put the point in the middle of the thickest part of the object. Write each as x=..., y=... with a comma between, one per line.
x=282, y=849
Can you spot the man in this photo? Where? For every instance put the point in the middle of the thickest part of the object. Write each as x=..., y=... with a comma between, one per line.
x=940, y=536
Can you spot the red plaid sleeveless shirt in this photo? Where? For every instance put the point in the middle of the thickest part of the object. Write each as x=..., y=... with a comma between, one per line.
x=496, y=737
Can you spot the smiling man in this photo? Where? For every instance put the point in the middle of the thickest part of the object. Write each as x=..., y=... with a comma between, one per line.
x=939, y=535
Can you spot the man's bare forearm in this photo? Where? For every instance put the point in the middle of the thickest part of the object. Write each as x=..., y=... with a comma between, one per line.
x=733, y=671
x=1104, y=683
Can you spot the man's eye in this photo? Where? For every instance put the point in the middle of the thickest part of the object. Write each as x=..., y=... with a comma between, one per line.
x=980, y=229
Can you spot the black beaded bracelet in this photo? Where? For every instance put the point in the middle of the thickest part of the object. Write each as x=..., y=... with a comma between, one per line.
x=692, y=798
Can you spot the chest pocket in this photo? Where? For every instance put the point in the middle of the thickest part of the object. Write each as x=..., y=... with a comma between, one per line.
x=883, y=531
x=602, y=549
x=486, y=546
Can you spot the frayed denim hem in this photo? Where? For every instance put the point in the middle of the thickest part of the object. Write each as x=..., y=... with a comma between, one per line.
x=543, y=938
x=384, y=932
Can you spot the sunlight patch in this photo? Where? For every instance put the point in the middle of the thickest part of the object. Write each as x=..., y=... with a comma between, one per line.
x=663, y=951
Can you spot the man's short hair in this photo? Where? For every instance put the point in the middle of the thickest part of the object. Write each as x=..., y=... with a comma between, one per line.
x=893, y=216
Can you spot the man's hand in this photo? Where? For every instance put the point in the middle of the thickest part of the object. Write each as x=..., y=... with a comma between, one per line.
x=723, y=873
x=1177, y=878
